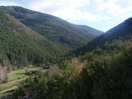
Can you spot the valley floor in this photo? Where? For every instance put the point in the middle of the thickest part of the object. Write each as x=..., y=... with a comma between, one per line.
x=16, y=77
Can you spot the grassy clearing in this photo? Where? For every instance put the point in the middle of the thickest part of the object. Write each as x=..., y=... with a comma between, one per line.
x=11, y=83
x=20, y=73
x=17, y=74
x=33, y=68
x=7, y=91
x=15, y=77
x=44, y=71
x=7, y=85
x=7, y=88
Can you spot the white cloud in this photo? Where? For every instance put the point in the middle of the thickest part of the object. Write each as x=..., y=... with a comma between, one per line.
x=115, y=7
x=93, y=17
x=44, y=4
x=66, y=9
x=71, y=9
x=74, y=15
x=7, y=3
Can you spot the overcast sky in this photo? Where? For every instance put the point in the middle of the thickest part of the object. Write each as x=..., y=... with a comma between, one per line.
x=99, y=14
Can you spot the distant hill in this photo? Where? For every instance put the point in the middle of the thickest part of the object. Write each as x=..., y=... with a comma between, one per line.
x=90, y=30
x=123, y=30
x=55, y=29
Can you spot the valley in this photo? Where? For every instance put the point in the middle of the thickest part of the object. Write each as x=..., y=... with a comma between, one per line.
x=45, y=57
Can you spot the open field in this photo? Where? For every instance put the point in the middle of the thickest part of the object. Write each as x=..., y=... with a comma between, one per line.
x=20, y=73
x=15, y=77
x=17, y=74
x=7, y=91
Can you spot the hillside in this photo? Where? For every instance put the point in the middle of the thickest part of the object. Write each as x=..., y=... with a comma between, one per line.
x=91, y=30
x=102, y=69
x=55, y=29
x=37, y=38
x=102, y=72
x=21, y=46
x=123, y=30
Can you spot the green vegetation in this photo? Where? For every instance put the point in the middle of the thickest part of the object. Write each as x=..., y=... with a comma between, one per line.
x=104, y=72
x=102, y=69
x=122, y=31
x=17, y=74
x=100, y=79
x=60, y=32
x=16, y=77
x=21, y=73
x=21, y=46
x=7, y=85
x=36, y=38
x=6, y=92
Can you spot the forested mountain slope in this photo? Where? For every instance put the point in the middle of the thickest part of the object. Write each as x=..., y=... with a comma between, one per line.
x=91, y=30
x=19, y=45
x=100, y=70
x=123, y=30
x=57, y=30
x=106, y=71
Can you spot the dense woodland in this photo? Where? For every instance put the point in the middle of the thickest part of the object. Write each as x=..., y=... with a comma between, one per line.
x=123, y=30
x=107, y=75
x=102, y=69
x=59, y=31
x=29, y=37
x=21, y=46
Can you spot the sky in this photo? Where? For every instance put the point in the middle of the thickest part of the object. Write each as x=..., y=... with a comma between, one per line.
x=99, y=14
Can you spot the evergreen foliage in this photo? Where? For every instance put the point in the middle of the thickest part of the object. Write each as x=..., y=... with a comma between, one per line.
x=21, y=46
x=106, y=75
x=60, y=32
